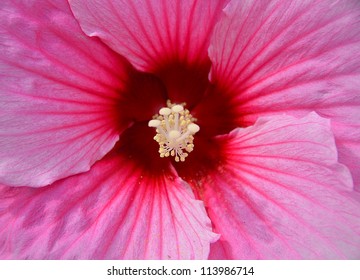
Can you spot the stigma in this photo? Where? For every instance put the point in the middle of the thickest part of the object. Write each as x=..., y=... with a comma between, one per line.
x=175, y=129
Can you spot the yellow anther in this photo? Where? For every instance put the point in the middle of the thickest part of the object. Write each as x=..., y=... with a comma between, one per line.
x=175, y=128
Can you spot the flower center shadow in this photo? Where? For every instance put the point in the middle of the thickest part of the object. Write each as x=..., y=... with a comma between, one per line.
x=181, y=83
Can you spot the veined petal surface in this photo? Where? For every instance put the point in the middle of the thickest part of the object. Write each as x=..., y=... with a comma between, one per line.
x=147, y=32
x=59, y=91
x=293, y=57
x=115, y=211
x=281, y=194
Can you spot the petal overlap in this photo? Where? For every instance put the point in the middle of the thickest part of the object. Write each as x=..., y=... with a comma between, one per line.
x=293, y=57
x=59, y=92
x=115, y=211
x=154, y=30
x=281, y=194
x=276, y=160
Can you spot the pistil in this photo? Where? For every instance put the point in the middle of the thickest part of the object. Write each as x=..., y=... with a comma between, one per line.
x=175, y=129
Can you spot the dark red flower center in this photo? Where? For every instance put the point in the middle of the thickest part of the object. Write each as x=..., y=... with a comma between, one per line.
x=181, y=83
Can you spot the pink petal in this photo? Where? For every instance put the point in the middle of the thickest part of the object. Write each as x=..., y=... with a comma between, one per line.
x=147, y=32
x=114, y=211
x=59, y=92
x=281, y=194
x=293, y=57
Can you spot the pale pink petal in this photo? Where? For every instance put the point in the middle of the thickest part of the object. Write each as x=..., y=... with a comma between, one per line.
x=115, y=211
x=59, y=92
x=293, y=57
x=281, y=194
x=149, y=32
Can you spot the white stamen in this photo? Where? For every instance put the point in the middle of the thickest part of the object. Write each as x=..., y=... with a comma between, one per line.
x=166, y=119
x=154, y=123
x=177, y=108
x=175, y=130
x=165, y=111
x=173, y=134
x=193, y=128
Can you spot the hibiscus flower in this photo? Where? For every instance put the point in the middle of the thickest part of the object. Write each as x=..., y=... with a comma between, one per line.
x=255, y=110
